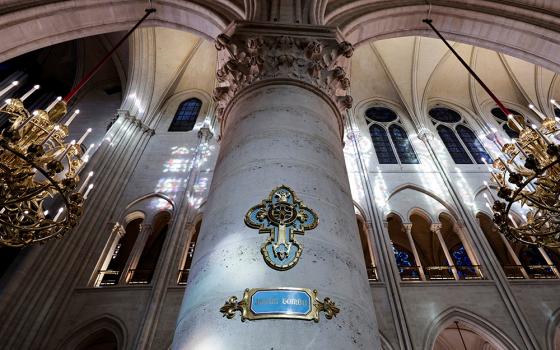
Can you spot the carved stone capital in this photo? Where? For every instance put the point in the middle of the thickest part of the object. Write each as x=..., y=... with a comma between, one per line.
x=408, y=228
x=425, y=134
x=247, y=56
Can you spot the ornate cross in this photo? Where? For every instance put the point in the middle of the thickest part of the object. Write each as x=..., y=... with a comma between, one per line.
x=281, y=216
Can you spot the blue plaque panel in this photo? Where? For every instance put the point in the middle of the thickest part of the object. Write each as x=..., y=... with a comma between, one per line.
x=281, y=302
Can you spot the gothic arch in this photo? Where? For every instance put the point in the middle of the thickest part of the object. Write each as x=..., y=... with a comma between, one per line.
x=423, y=214
x=396, y=214
x=26, y=28
x=149, y=195
x=476, y=322
x=135, y=206
x=523, y=31
x=105, y=322
x=170, y=105
x=415, y=187
x=361, y=107
x=475, y=123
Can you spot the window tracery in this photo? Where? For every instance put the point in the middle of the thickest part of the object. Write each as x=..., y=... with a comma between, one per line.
x=461, y=142
x=186, y=115
x=389, y=138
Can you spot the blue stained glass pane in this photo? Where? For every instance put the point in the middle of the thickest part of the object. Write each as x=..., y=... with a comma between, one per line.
x=461, y=257
x=532, y=256
x=382, y=146
x=445, y=115
x=402, y=145
x=186, y=115
x=381, y=114
x=473, y=145
x=453, y=145
x=402, y=257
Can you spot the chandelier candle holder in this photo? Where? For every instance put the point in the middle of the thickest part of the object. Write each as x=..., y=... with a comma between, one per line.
x=527, y=173
x=40, y=169
x=37, y=166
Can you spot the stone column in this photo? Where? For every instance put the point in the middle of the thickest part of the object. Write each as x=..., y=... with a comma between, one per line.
x=513, y=255
x=408, y=229
x=145, y=232
x=549, y=261
x=280, y=102
x=436, y=228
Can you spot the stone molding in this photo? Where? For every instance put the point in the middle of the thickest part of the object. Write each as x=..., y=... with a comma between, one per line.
x=317, y=60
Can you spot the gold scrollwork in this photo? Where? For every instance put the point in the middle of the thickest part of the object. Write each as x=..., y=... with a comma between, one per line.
x=246, y=306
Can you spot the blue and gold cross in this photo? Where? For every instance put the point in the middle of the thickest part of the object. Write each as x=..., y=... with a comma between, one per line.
x=281, y=216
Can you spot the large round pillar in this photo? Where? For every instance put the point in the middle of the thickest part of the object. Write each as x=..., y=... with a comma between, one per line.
x=278, y=131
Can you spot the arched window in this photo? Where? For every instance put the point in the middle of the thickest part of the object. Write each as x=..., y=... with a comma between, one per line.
x=403, y=257
x=100, y=340
x=111, y=274
x=457, y=137
x=146, y=265
x=460, y=256
x=502, y=120
x=395, y=141
x=186, y=115
x=184, y=272
x=462, y=335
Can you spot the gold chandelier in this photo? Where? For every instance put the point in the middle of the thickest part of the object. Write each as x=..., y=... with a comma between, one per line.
x=37, y=168
x=527, y=174
x=40, y=169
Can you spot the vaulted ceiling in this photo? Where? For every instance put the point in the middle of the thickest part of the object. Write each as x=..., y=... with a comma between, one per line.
x=417, y=72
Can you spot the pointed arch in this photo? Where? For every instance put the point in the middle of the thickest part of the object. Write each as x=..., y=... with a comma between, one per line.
x=480, y=325
x=420, y=189
x=150, y=195
x=104, y=324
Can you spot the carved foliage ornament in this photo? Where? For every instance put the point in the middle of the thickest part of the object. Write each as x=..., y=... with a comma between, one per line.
x=319, y=63
x=281, y=216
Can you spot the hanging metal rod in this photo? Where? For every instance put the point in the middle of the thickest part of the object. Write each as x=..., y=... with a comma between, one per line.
x=94, y=70
x=469, y=69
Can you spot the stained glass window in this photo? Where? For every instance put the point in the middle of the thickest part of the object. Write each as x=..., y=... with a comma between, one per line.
x=186, y=115
x=402, y=145
x=379, y=120
x=501, y=118
x=452, y=131
x=381, y=114
x=461, y=257
x=403, y=258
x=445, y=115
x=473, y=145
x=383, y=148
x=453, y=145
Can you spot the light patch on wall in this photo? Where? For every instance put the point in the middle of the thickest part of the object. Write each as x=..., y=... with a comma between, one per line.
x=380, y=190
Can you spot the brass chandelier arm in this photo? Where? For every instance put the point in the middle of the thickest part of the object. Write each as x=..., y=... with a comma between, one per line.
x=39, y=169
